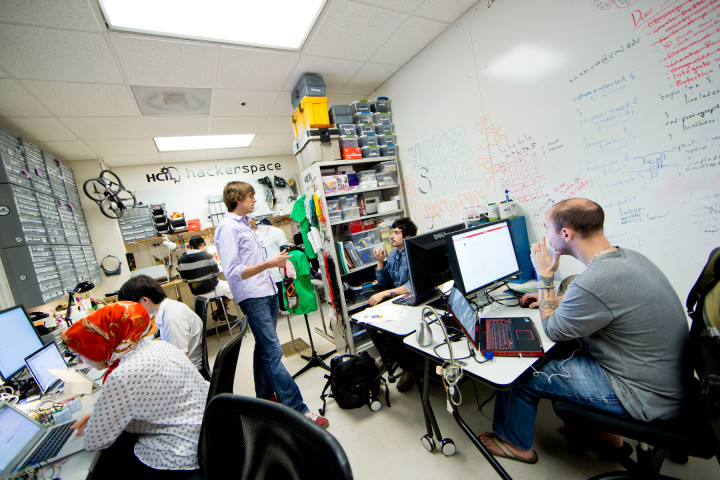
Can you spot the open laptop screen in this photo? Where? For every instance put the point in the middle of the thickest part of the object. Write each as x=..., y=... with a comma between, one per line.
x=465, y=315
x=41, y=361
x=16, y=433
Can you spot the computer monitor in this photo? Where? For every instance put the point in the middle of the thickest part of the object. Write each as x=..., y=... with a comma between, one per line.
x=18, y=339
x=482, y=255
x=40, y=363
x=427, y=257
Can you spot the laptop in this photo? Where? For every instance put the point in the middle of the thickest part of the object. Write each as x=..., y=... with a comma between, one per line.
x=39, y=364
x=23, y=440
x=511, y=336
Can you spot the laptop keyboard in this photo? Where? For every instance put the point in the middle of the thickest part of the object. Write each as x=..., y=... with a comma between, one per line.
x=51, y=444
x=498, y=334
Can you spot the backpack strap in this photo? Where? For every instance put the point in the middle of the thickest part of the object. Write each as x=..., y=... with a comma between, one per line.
x=323, y=395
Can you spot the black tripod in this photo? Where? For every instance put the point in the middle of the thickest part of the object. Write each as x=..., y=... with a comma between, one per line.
x=314, y=359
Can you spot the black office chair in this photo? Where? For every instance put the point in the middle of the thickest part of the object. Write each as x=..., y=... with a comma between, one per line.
x=223, y=372
x=201, y=304
x=696, y=432
x=249, y=438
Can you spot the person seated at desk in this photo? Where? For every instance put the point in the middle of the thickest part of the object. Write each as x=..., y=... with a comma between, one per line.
x=394, y=274
x=199, y=268
x=148, y=414
x=630, y=327
x=177, y=323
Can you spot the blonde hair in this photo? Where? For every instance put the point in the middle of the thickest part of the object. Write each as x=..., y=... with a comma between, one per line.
x=235, y=192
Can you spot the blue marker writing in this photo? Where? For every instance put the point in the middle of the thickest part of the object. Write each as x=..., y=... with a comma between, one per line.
x=507, y=197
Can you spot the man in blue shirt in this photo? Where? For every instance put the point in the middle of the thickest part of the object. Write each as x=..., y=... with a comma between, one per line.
x=394, y=276
x=394, y=273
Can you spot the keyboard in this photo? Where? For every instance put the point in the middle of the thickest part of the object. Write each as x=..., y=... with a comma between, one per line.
x=498, y=334
x=85, y=371
x=51, y=444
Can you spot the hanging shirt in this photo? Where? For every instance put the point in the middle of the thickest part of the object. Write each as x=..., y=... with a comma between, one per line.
x=271, y=239
x=299, y=215
x=303, y=286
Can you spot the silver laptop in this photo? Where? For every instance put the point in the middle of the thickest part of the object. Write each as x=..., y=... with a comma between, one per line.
x=39, y=364
x=24, y=440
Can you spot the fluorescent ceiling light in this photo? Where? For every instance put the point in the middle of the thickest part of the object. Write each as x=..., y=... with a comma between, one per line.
x=265, y=23
x=203, y=142
x=525, y=62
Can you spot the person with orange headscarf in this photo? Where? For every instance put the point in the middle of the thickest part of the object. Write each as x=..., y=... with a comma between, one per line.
x=148, y=414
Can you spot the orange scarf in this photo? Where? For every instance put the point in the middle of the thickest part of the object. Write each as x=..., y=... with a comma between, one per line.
x=109, y=333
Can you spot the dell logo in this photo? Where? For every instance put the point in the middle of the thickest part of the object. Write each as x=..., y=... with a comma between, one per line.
x=438, y=236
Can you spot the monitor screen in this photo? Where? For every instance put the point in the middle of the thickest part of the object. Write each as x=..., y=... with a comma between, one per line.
x=40, y=362
x=18, y=340
x=482, y=255
x=464, y=314
x=427, y=257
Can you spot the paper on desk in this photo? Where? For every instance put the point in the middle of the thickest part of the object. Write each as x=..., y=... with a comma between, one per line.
x=380, y=313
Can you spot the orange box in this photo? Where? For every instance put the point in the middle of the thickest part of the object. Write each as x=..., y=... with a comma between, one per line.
x=351, y=153
x=193, y=224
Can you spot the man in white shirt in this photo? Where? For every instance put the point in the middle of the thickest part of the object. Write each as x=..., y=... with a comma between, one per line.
x=176, y=322
x=272, y=239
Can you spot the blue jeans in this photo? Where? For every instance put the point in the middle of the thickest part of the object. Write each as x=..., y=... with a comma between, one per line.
x=269, y=372
x=516, y=409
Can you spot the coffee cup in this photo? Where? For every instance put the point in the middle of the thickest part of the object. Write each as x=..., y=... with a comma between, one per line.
x=493, y=212
x=507, y=209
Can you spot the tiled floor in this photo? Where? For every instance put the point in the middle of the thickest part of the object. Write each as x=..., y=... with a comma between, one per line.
x=386, y=444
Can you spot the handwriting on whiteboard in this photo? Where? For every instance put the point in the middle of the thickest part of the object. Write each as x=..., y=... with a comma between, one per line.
x=606, y=58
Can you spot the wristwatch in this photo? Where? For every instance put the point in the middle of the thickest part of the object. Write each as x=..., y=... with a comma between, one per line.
x=392, y=293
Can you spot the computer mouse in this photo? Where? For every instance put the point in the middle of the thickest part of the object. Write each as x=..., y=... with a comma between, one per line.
x=526, y=303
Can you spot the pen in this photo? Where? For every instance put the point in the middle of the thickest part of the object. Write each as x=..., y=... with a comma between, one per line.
x=375, y=316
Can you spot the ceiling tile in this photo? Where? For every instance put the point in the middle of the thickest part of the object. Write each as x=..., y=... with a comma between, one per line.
x=68, y=151
x=246, y=69
x=444, y=10
x=277, y=125
x=235, y=125
x=165, y=62
x=15, y=101
x=177, y=126
x=105, y=127
x=129, y=160
x=270, y=151
x=227, y=103
x=346, y=99
x=176, y=157
x=335, y=72
x=371, y=76
x=226, y=154
x=273, y=140
x=408, y=40
x=405, y=6
x=337, y=36
x=42, y=129
x=71, y=14
x=59, y=55
x=84, y=100
x=126, y=146
x=282, y=106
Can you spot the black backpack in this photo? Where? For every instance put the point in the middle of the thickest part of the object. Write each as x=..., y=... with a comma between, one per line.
x=354, y=381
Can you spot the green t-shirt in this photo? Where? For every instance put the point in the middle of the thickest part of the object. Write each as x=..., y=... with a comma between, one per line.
x=298, y=214
x=303, y=285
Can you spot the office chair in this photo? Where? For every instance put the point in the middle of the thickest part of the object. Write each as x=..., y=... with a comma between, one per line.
x=201, y=304
x=223, y=372
x=696, y=432
x=205, y=286
x=250, y=438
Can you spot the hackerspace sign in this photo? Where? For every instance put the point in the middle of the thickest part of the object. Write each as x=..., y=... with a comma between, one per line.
x=173, y=175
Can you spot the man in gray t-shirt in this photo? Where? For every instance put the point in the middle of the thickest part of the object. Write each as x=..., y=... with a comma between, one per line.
x=627, y=324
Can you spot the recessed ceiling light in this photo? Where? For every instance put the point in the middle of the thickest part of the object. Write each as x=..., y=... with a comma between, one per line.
x=203, y=142
x=266, y=23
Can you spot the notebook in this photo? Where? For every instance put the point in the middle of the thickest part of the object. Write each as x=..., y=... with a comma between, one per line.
x=22, y=439
x=39, y=364
x=511, y=336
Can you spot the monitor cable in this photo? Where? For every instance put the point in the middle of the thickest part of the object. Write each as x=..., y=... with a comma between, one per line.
x=452, y=372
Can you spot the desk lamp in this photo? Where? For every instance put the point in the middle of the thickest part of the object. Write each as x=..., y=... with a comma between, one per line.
x=81, y=287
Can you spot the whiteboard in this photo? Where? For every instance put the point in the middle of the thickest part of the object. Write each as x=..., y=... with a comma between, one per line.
x=616, y=101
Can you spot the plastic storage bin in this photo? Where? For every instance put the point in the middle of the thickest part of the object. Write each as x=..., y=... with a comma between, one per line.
x=349, y=201
x=370, y=152
x=384, y=129
x=359, y=106
x=365, y=129
x=386, y=179
x=309, y=84
x=388, y=150
x=361, y=293
x=333, y=204
x=381, y=104
x=335, y=216
x=351, y=153
x=386, y=139
x=383, y=167
x=367, y=254
x=351, y=213
x=365, y=238
x=349, y=142
x=366, y=176
x=368, y=141
x=347, y=129
x=381, y=117
x=312, y=112
x=363, y=117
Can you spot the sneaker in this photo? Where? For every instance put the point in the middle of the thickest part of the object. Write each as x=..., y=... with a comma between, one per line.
x=274, y=398
x=314, y=417
x=405, y=382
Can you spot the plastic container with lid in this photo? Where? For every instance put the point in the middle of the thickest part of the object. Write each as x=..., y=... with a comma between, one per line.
x=380, y=104
x=361, y=293
x=348, y=201
x=386, y=139
x=363, y=117
x=349, y=142
x=359, y=106
x=333, y=204
x=347, y=129
x=387, y=179
x=381, y=117
x=365, y=129
x=389, y=166
x=365, y=238
x=388, y=150
x=368, y=141
x=350, y=213
x=370, y=152
x=384, y=129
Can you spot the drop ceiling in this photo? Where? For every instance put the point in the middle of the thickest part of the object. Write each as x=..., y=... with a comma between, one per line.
x=66, y=80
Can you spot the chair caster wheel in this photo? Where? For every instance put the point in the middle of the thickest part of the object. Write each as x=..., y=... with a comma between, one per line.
x=448, y=447
x=428, y=442
x=375, y=405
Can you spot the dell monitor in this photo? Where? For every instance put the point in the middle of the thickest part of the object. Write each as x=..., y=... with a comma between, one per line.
x=427, y=257
x=18, y=340
x=482, y=255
